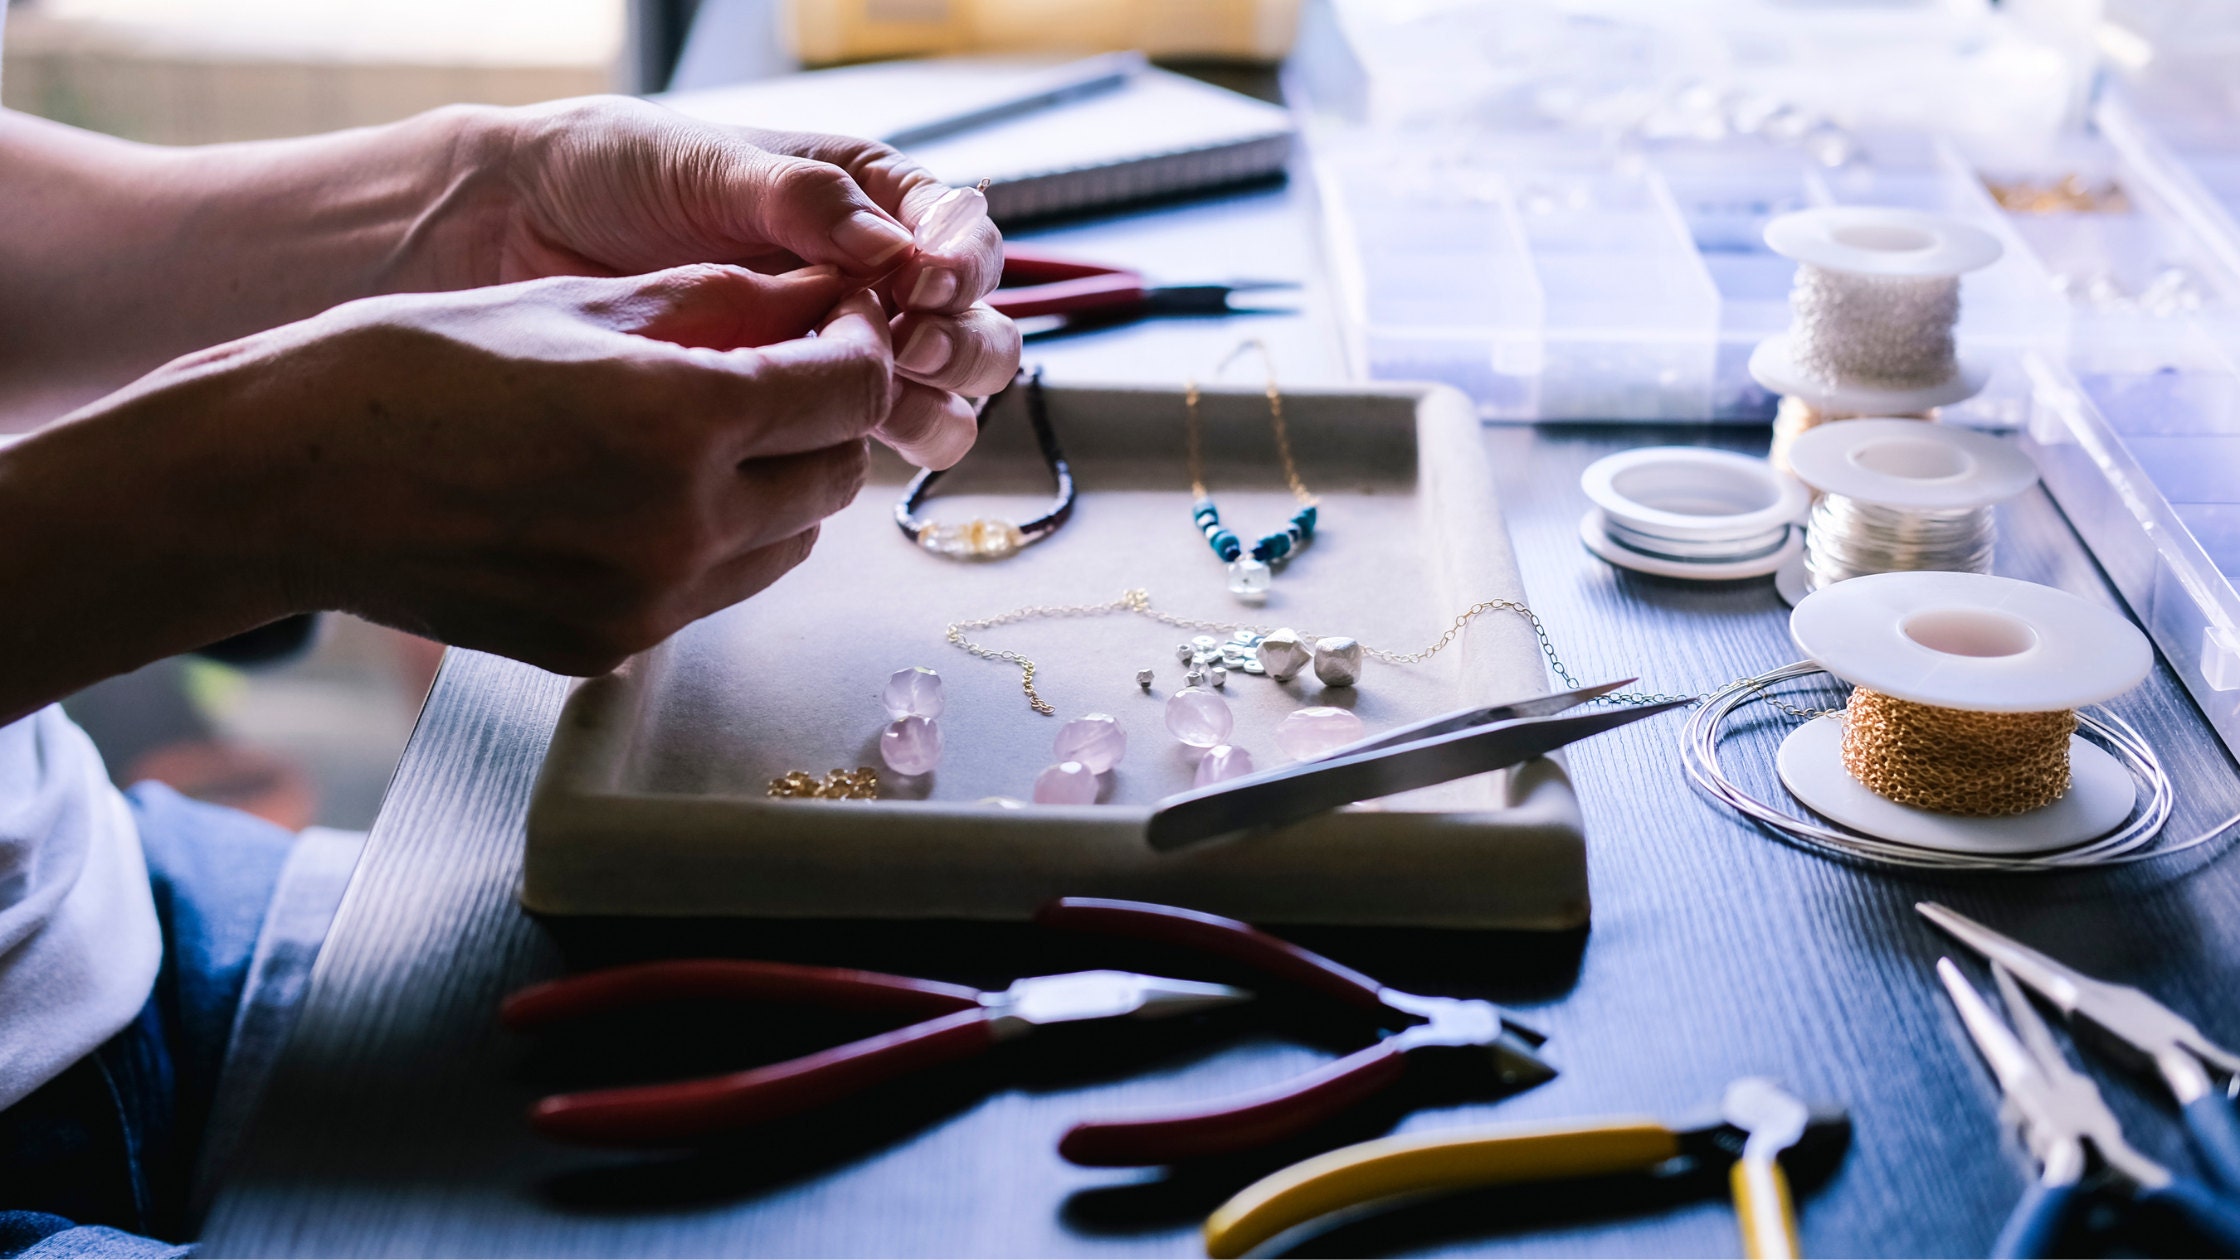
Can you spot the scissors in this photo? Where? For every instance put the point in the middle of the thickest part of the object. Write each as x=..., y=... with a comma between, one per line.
x=1483, y=1036
x=1755, y=1113
x=2136, y=1026
x=1435, y=750
x=956, y=1023
x=2070, y=1132
x=1036, y=283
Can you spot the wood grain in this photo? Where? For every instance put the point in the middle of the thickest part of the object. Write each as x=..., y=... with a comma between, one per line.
x=394, y=1126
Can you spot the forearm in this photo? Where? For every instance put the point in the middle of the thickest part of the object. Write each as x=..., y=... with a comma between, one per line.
x=118, y=257
x=133, y=530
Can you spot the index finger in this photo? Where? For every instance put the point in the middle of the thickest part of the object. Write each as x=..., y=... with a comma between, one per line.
x=804, y=395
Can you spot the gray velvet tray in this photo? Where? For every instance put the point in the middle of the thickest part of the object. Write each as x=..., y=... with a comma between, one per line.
x=652, y=800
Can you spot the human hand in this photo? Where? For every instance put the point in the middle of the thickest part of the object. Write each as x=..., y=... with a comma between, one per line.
x=563, y=471
x=613, y=186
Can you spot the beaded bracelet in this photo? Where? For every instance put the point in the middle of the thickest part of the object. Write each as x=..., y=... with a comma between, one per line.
x=992, y=537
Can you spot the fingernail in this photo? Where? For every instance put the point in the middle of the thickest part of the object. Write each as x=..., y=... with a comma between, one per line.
x=934, y=288
x=928, y=350
x=870, y=239
x=822, y=271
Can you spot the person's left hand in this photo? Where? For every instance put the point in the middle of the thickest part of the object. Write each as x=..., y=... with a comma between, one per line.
x=614, y=186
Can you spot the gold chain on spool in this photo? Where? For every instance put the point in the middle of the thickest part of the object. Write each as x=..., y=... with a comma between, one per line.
x=1953, y=761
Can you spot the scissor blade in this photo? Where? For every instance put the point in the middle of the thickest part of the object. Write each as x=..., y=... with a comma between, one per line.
x=2010, y=1062
x=1286, y=795
x=1463, y=719
x=2120, y=1010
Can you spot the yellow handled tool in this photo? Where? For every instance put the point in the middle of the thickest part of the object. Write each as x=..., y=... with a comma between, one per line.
x=1414, y=1165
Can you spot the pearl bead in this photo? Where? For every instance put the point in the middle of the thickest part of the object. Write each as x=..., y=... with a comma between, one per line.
x=1222, y=762
x=1095, y=741
x=1306, y=734
x=1198, y=717
x=1337, y=661
x=1249, y=579
x=913, y=692
x=911, y=746
x=1067, y=783
x=1282, y=655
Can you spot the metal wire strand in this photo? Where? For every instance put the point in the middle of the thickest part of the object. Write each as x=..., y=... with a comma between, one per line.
x=1847, y=538
x=1853, y=329
x=2135, y=841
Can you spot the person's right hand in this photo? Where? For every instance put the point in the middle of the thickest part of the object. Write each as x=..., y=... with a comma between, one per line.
x=563, y=471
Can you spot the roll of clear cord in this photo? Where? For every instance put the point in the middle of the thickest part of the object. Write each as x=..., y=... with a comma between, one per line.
x=1847, y=538
x=1885, y=331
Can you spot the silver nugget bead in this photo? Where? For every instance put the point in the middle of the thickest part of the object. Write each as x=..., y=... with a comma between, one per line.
x=1337, y=661
x=1183, y=652
x=1143, y=678
x=1219, y=676
x=1282, y=655
x=1194, y=678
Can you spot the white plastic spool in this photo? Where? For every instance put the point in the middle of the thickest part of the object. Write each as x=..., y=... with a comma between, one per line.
x=1873, y=241
x=1692, y=512
x=1974, y=642
x=1912, y=465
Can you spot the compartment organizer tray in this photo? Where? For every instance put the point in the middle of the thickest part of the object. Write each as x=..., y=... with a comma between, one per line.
x=651, y=801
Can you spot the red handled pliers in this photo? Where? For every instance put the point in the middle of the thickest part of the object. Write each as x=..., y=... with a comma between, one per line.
x=1487, y=1033
x=1036, y=283
x=957, y=1023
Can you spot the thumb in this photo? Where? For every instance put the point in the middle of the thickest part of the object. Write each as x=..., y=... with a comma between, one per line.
x=727, y=308
x=818, y=212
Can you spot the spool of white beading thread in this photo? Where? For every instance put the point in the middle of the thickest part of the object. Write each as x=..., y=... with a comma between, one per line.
x=1977, y=643
x=1876, y=300
x=1691, y=512
x=1899, y=496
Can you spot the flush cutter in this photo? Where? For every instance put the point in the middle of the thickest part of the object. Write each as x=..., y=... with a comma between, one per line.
x=1421, y=1027
x=1435, y=750
x=1036, y=283
x=2136, y=1027
x=958, y=1023
x=2077, y=1143
x=1755, y=1121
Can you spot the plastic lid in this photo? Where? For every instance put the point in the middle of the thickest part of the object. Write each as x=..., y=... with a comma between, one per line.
x=1882, y=241
x=1971, y=641
x=1910, y=464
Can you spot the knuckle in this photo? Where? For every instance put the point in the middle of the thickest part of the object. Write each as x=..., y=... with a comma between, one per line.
x=806, y=180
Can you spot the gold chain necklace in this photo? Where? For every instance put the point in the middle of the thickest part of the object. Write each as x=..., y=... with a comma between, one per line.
x=1249, y=570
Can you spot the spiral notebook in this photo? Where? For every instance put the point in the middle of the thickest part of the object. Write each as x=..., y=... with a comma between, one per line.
x=1152, y=135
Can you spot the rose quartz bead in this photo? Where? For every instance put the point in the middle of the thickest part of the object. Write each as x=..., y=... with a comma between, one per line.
x=1305, y=734
x=1067, y=783
x=1095, y=741
x=1222, y=762
x=1198, y=717
x=911, y=746
x=913, y=692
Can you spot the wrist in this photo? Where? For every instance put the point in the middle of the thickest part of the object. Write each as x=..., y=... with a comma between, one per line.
x=136, y=536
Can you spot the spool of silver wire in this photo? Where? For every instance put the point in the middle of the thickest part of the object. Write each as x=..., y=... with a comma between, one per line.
x=1848, y=538
x=1900, y=496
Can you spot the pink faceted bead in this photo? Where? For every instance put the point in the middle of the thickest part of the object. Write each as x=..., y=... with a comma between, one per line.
x=1305, y=734
x=1067, y=783
x=1198, y=717
x=911, y=746
x=912, y=692
x=1095, y=741
x=1222, y=762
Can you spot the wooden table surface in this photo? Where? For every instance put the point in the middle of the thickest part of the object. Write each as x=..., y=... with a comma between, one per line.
x=394, y=1125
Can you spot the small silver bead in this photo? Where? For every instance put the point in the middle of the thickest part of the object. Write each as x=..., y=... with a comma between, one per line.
x=1196, y=677
x=1143, y=678
x=1220, y=676
x=1183, y=652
